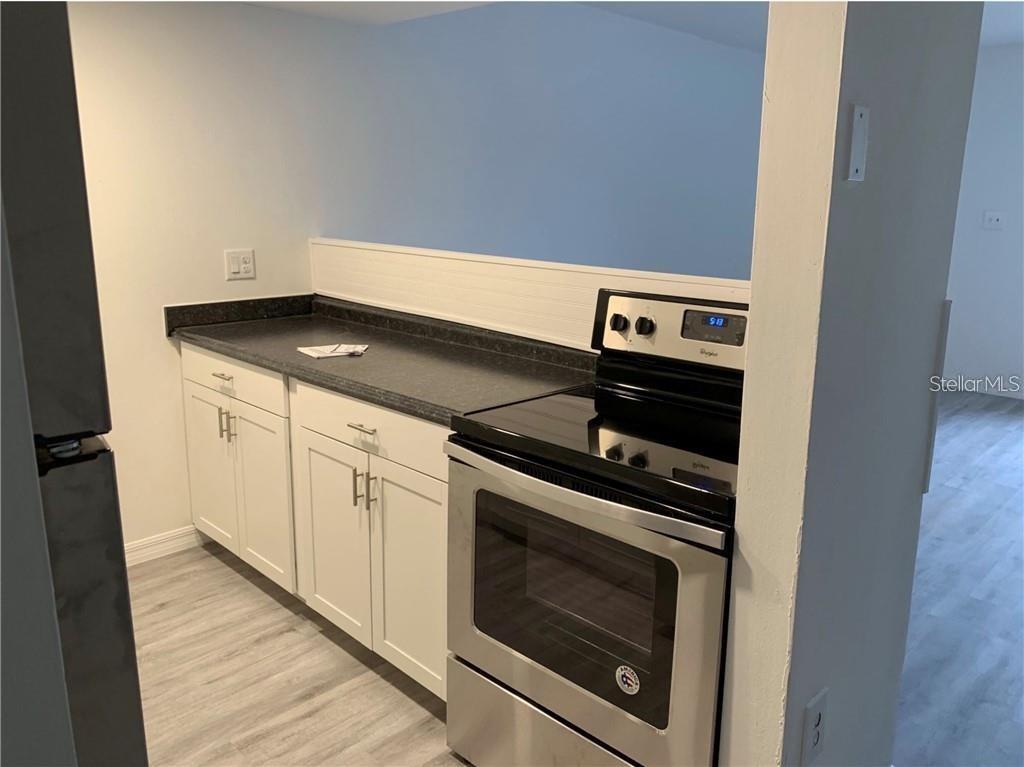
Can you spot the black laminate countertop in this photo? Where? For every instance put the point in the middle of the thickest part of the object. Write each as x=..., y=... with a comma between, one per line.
x=413, y=373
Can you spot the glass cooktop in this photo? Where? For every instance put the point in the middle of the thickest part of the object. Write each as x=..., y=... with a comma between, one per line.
x=636, y=439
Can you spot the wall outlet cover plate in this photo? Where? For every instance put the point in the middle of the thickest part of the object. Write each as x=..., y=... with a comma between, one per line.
x=240, y=264
x=815, y=719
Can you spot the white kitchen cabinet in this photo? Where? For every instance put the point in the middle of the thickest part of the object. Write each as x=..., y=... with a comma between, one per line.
x=332, y=531
x=211, y=461
x=263, y=491
x=371, y=532
x=343, y=503
x=400, y=438
x=409, y=537
x=239, y=380
x=240, y=478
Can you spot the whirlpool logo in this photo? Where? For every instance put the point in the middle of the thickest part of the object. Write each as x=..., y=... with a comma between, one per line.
x=627, y=680
x=708, y=352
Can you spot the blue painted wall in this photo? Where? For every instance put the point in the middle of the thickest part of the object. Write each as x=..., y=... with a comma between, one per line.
x=550, y=131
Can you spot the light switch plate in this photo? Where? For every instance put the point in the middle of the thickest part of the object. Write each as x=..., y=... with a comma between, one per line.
x=240, y=264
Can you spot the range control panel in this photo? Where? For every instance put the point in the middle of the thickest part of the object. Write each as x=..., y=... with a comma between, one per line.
x=691, y=329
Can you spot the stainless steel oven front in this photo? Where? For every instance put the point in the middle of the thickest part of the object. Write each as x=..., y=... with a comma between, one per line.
x=605, y=615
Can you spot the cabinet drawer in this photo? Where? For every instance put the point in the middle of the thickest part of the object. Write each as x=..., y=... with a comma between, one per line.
x=400, y=438
x=249, y=383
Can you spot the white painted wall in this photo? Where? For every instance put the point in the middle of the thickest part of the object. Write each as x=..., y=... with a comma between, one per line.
x=802, y=78
x=197, y=135
x=887, y=256
x=209, y=126
x=986, y=280
x=552, y=131
x=836, y=402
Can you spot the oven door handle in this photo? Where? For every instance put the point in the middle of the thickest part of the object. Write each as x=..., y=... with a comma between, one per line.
x=676, y=528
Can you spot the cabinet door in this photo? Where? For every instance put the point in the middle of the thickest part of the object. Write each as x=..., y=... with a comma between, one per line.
x=264, y=490
x=211, y=472
x=332, y=531
x=409, y=570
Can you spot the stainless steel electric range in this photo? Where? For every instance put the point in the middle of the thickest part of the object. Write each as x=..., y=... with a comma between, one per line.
x=589, y=546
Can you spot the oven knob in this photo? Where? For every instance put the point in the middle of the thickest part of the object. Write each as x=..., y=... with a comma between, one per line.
x=614, y=453
x=644, y=326
x=619, y=322
x=638, y=461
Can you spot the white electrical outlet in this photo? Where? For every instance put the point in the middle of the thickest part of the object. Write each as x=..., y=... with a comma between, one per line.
x=240, y=264
x=992, y=219
x=815, y=718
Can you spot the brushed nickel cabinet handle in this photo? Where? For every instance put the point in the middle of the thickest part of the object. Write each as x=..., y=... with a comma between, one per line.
x=365, y=430
x=229, y=418
x=220, y=423
x=369, y=498
x=223, y=376
x=356, y=495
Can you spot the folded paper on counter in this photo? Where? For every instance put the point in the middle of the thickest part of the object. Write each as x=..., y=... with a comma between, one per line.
x=334, y=350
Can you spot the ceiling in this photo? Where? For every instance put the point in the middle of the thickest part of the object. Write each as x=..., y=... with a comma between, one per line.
x=744, y=24
x=372, y=12
x=740, y=24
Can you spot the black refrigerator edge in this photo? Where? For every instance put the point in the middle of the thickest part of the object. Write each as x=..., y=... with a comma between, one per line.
x=65, y=580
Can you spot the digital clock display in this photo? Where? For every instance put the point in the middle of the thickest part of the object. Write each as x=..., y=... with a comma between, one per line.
x=714, y=327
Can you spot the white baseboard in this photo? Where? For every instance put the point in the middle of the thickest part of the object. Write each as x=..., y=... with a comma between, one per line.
x=161, y=544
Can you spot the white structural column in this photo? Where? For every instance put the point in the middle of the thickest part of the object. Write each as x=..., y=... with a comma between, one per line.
x=847, y=283
x=798, y=120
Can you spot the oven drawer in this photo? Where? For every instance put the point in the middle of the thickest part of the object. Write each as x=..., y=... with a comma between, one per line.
x=260, y=387
x=492, y=727
x=400, y=438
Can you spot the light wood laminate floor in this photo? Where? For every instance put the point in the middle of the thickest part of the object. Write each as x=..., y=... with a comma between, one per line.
x=961, y=698
x=235, y=671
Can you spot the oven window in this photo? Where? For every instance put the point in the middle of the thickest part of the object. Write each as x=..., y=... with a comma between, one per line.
x=594, y=610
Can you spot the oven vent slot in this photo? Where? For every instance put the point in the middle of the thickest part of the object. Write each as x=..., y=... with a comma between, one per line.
x=595, y=490
x=539, y=472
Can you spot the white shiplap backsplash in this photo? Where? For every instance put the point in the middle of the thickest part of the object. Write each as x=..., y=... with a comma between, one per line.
x=538, y=299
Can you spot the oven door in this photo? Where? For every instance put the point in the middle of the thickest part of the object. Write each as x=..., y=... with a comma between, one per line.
x=601, y=613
